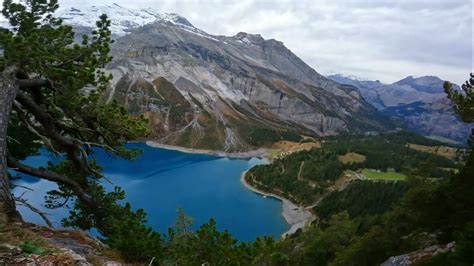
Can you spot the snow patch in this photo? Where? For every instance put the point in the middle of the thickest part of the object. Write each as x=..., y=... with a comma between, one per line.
x=349, y=76
x=123, y=20
x=247, y=41
x=201, y=35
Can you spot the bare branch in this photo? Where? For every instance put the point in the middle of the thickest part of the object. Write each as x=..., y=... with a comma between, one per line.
x=64, y=203
x=43, y=215
x=72, y=60
x=103, y=146
x=23, y=194
x=151, y=262
x=20, y=186
x=14, y=140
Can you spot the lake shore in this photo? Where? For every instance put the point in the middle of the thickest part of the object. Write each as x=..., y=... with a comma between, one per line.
x=260, y=153
x=297, y=216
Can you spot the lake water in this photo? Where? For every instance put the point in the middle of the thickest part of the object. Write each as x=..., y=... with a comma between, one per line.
x=160, y=181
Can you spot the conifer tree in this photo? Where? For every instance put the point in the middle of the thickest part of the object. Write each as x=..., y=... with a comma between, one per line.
x=463, y=102
x=50, y=96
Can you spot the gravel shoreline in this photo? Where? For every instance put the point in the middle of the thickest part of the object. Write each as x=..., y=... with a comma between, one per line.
x=297, y=216
x=260, y=153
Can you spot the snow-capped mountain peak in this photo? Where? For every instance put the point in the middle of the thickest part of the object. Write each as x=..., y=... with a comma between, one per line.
x=349, y=76
x=169, y=17
x=124, y=20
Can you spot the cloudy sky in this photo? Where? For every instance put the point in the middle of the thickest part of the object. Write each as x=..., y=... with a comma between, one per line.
x=382, y=39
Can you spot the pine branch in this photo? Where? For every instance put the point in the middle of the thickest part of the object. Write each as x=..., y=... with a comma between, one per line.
x=51, y=176
x=20, y=186
x=32, y=129
x=71, y=146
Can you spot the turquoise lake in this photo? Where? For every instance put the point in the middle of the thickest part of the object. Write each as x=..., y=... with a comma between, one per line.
x=160, y=181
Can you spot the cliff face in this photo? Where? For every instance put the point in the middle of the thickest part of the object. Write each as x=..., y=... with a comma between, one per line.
x=420, y=103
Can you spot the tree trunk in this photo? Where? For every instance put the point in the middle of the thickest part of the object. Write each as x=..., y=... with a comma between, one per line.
x=8, y=90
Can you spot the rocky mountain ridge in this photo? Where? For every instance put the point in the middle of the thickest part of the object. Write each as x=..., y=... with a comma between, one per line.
x=229, y=93
x=419, y=102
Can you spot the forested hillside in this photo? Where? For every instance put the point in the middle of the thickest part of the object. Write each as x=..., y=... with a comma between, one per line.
x=362, y=199
x=364, y=220
x=306, y=175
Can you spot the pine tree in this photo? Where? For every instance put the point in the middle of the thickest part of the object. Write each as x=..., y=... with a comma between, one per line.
x=50, y=96
x=463, y=102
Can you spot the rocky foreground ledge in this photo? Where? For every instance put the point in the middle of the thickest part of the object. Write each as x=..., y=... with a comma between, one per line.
x=29, y=244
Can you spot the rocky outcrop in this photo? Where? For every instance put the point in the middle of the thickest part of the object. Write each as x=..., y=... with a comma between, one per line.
x=419, y=255
x=28, y=244
x=419, y=103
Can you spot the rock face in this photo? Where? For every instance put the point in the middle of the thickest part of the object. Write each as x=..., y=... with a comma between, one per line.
x=420, y=103
x=418, y=256
x=216, y=92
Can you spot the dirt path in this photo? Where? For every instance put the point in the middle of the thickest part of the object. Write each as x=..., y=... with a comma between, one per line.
x=339, y=185
x=309, y=182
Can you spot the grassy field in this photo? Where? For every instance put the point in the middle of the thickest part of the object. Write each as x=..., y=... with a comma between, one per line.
x=283, y=148
x=444, y=151
x=389, y=175
x=351, y=157
x=273, y=153
x=291, y=146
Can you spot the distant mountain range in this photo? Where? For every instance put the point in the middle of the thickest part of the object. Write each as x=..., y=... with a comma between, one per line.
x=420, y=103
x=220, y=92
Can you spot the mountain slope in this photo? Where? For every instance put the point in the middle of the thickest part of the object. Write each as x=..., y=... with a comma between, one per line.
x=420, y=103
x=234, y=93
